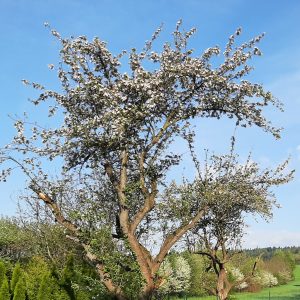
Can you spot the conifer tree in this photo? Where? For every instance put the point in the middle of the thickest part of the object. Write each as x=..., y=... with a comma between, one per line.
x=45, y=290
x=2, y=272
x=15, y=276
x=4, y=290
x=51, y=290
x=35, y=271
x=62, y=295
x=68, y=277
x=20, y=289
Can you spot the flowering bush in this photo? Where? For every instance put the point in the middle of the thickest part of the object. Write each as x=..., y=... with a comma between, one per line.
x=176, y=274
x=238, y=276
x=266, y=279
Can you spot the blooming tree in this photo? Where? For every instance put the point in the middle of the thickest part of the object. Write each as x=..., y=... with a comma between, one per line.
x=113, y=143
x=238, y=276
x=231, y=190
x=176, y=275
x=266, y=279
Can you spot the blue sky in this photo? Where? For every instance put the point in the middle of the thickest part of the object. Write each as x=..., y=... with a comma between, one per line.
x=27, y=48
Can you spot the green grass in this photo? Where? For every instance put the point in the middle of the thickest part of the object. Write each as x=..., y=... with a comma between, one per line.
x=290, y=291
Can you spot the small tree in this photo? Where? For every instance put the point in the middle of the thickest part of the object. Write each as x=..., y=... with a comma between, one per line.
x=231, y=190
x=19, y=291
x=35, y=271
x=4, y=289
x=2, y=272
x=265, y=279
x=45, y=288
x=281, y=265
x=176, y=274
x=181, y=275
x=198, y=283
x=238, y=276
x=16, y=275
x=51, y=290
x=69, y=277
x=113, y=144
x=15, y=243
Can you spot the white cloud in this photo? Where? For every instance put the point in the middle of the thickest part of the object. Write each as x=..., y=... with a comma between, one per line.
x=271, y=238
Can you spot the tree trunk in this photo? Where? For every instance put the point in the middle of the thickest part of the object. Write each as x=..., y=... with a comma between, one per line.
x=119, y=297
x=222, y=288
x=146, y=296
x=222, y=294
x=148, y=290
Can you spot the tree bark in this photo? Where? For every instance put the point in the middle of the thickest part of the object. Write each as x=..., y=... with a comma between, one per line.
x=223, y=286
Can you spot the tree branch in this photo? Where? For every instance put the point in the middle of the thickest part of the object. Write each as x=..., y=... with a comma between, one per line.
x=166, y=125
x=172, y=238
x=147, y=207
x=252, y=272
x=105, y=277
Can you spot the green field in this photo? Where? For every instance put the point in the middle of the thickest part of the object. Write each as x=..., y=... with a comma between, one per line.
x=290, y=291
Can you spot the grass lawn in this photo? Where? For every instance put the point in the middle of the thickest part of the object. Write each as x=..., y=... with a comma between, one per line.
x=290, y=291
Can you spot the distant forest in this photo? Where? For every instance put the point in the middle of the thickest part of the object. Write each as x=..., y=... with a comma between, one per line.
x=268, y=252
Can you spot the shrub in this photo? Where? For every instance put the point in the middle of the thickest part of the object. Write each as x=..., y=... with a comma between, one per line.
x=266, y=279
x=237, y=276
x=281, y=265
x=283, y=276
x=254, y=286
x=176, y=274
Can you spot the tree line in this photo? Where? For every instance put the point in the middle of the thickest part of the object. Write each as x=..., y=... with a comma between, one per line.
x=268, y=252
